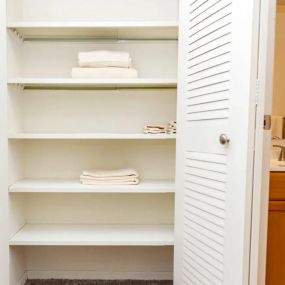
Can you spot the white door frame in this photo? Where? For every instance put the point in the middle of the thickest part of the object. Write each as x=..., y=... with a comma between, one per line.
x=260, y=196
x=4, y=222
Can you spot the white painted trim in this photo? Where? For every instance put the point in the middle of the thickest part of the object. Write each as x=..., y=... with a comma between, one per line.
x=4, y=211
x=262, y=144
x=74, y=186
x=99, y=275
x=76, y=29
x=92, y=24
x=91, y=136
x=179, y=184
x=95, y=83
x=93, y=235
x=23, y=279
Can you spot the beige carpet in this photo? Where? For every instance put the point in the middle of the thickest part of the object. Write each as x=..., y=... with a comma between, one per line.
x=97, y=282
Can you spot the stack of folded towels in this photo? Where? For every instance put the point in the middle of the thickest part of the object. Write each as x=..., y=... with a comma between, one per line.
x=154, y=129
x=104, y=64
x=125, y=176
x=171, y=127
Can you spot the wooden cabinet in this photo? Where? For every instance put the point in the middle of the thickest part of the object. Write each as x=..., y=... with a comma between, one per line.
x=275, y=273
x=277, y=186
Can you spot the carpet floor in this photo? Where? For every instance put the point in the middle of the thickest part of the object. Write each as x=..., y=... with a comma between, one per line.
x=97, y=282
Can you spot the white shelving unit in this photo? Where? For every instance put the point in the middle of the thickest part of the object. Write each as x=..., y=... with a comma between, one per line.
x=94, y=235
x=74, y=186
x=107, y=136
x=61, y=83
x=144, y=30
x=59, y=126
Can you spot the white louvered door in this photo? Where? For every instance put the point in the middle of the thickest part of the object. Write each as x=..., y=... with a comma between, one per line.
x=218, y=47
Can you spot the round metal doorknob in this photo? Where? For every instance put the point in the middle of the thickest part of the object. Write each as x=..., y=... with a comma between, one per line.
x=224, y=139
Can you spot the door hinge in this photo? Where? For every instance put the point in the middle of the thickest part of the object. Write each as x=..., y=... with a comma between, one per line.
x=267, y=122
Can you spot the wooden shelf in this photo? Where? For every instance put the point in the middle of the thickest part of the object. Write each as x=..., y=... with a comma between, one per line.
x=82, y=83
x=89, y=136
x=96, y=30
x=94, y=235
x=74, y=186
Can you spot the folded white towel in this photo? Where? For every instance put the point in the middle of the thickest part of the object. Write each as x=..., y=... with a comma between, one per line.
x=99, y=173
x=134, y=181
x=104, y=58
x=108, y=72
x=125, y=176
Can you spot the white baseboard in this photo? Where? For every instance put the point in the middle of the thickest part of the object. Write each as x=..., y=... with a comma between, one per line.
x=23, y=279
x=99, y=275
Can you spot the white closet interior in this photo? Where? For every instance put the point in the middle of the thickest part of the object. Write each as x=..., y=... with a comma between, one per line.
x=59, y=126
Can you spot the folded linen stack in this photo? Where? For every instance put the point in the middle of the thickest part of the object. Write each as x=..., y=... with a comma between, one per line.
x=125, y=176
x=171, y=127
x=104, y=64
x=154, y=129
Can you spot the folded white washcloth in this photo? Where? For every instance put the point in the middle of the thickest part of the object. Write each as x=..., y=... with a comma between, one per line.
x=154, y=129
x=172, y=124
x=171, y=127
x=154, y=132
x=104, y=72
x=104, y=58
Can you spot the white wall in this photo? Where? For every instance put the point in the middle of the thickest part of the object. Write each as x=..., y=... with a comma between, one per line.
x=100, y=262
x=97, y=10
x=92, y=10
x=278, y=108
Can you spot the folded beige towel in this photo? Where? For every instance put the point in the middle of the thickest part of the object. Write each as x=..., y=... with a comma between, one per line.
x=108, y=72
x=104, y=58
x=125, y=176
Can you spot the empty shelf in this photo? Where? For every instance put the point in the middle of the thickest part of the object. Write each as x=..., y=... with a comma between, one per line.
x=74, y=186
x=94, y=235
x=166, y=30
x=89, y=136
x=82, y=83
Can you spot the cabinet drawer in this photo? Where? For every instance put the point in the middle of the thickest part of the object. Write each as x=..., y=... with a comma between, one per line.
x=277, y=186
x=275, y=273
x=277, y=206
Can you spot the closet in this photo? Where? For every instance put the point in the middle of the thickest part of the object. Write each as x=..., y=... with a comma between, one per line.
x=59, y=126
x=53, y=127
